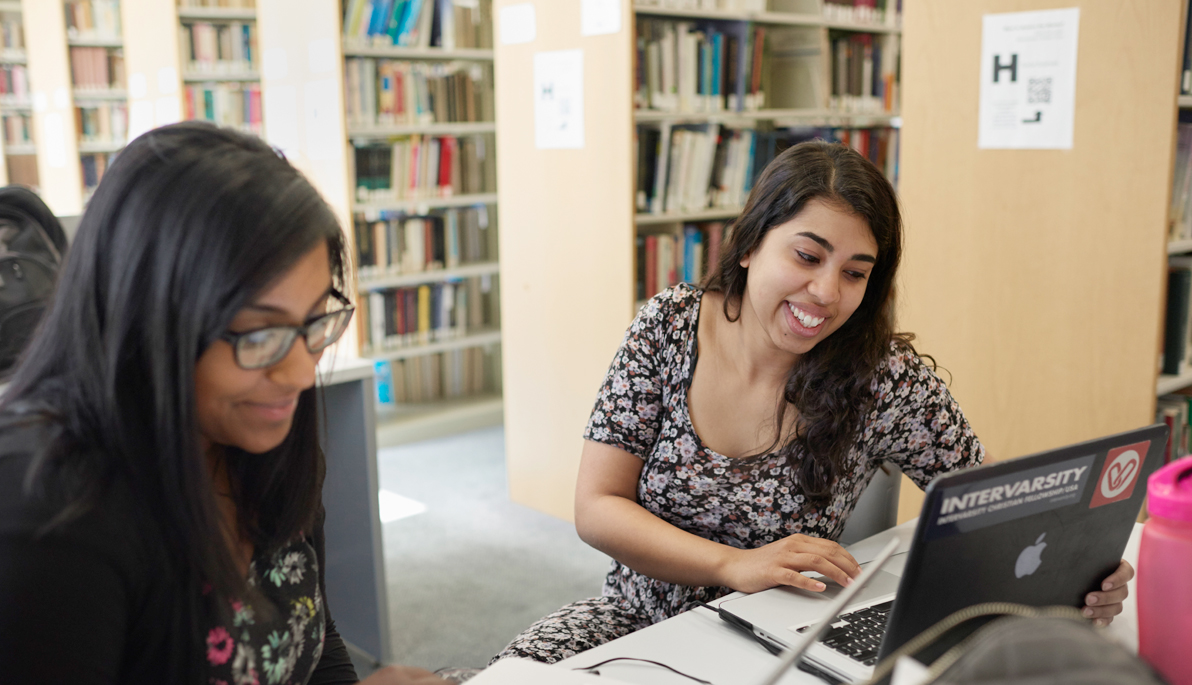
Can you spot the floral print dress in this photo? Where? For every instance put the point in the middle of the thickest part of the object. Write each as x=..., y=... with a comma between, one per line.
x=745, y=503
x=278, y=639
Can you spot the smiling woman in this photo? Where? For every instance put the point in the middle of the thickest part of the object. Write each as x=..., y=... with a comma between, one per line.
x=740, y=422
x=160, y=469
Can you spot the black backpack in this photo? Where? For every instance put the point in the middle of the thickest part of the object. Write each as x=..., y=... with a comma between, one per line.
x=32, y=244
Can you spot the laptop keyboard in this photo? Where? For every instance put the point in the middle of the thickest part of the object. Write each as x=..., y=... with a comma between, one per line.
x=858, y=634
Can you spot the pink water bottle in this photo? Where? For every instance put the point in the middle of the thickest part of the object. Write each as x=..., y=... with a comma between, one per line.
x=1165, y=574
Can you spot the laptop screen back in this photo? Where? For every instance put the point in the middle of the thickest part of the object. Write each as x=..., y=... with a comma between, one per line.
x=1041, y=530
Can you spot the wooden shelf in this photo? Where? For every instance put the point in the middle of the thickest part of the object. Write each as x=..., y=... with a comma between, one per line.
x=95, y=42
x=93, y=148
x=12, y=56
x=1179, y=246
x=10, y=6
x=446, y=129
x=396, y=52
x=384, y=281
x=419, y=205
x=208, y=77
x=112, y=95
x=217, y=14
x=479, y=339
x=1168, y=384
x=21, y=149
x=808, y=117
x=775, y=18
x=1185, y=101
x=15, y=106
x=712, y=214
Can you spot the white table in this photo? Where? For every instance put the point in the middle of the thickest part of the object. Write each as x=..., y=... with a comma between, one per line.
x=698, y=643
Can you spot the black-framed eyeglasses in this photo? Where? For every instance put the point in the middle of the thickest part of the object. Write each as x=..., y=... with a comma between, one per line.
x=268, y=346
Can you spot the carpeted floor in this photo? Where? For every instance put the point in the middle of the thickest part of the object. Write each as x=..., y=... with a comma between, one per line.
x=474, y=569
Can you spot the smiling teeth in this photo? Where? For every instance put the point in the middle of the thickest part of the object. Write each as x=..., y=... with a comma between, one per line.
x=804, y=318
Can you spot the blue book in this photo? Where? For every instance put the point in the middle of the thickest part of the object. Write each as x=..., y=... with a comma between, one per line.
x=384, y=381
x=396, y=17
x=410, y=22
x=380, y=13
x=717, y=63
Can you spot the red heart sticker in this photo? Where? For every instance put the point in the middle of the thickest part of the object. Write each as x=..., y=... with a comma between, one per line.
x=1119, y=474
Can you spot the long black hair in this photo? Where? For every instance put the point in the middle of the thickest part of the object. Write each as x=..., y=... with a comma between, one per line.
x=830, y=384
x=187, y=226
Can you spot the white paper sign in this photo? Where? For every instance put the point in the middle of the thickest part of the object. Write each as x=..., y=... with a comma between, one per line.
x=1028, y=80
x=559, y=99
x=598, y=17
x=518, y=24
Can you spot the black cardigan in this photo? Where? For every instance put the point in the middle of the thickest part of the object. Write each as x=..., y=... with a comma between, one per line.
x=94, y=601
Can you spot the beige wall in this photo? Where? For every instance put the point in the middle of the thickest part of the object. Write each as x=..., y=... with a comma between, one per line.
x=152, y=64
x=1036, y=277
x=566, y=219
x=53, y=107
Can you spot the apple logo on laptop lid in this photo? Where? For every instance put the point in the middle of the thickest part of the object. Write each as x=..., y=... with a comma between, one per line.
x=1030, y=558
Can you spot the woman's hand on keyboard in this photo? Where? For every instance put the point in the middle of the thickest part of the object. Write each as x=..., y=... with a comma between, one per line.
x=781, y=563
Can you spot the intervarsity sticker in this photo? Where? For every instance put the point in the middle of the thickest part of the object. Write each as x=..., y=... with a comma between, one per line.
x=1119, y=474
x=965, y=508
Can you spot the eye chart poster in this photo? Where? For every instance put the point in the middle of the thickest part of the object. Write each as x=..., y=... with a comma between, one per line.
x=1028, y=80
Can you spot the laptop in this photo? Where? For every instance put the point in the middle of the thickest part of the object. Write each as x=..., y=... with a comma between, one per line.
x=1041, y=530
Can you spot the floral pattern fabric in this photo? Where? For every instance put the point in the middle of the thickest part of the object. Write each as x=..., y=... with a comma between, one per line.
x=278, y=638
x=745, y=503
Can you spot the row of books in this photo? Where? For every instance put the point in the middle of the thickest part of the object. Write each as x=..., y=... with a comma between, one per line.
x=691, y=167
x=237, y=105
x=1177, y=333
x=683, y=255
x=93, y=18
x=447, y=24
x=102, y=122
x=418, y=166
x=218, y=48
x=385, y=91
x=409, y=317
x=409, y=243
x=18, y=129
x=433, y=377
x=864, y=11
x=14, y=81
x=862, y=81
x=94, y=166
x=12, y=32
x=1174, y=410
x=97, y=68
x=1180, y=219
x=685, y=66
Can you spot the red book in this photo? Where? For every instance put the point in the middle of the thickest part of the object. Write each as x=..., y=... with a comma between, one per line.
x=651, y=265
x=446, y=156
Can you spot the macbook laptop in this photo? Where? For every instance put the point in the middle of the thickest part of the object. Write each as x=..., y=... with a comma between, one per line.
x=1045, y=529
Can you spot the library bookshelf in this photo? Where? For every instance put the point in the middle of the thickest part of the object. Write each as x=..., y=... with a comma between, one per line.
x=1174, y=386
x=16, y=105
x=578, y=261
x=1014, y=257
x=420, y=132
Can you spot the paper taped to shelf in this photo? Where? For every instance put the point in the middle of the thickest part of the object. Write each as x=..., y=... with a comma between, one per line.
x=1028, y=79
x=559, y=99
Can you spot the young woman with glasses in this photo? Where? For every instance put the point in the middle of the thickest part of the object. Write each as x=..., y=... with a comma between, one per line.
x=160, y=468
